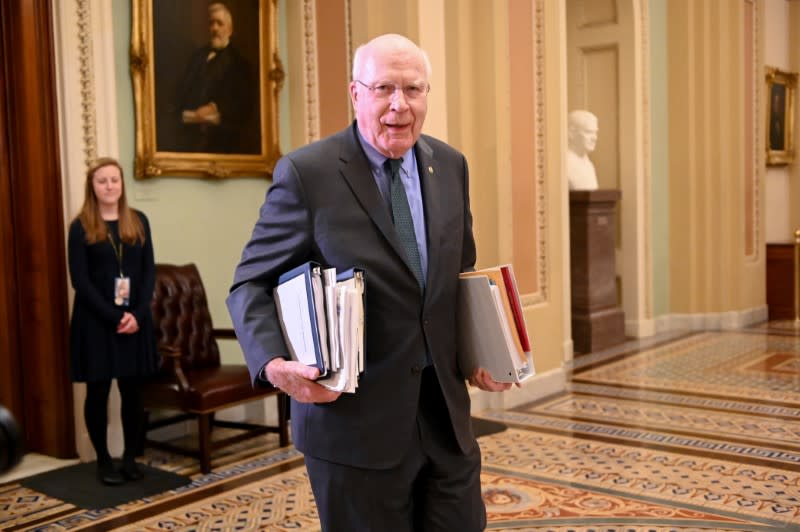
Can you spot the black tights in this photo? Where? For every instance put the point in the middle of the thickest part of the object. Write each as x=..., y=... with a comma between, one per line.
x=95, y=412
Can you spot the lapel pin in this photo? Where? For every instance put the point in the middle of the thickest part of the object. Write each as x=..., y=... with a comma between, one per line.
x=430, y=169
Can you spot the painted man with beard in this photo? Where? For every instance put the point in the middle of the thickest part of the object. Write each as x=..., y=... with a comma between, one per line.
x=216, y=101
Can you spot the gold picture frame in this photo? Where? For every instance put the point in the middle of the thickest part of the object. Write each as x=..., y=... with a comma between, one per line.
x=780, y=116
x=236, y=132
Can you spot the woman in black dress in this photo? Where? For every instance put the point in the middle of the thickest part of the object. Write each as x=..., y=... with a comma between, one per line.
x=111, y=336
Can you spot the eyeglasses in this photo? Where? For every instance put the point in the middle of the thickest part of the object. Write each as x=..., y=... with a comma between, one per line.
x=412, y=91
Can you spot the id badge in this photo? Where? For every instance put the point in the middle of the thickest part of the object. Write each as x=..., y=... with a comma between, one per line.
x=122, y=291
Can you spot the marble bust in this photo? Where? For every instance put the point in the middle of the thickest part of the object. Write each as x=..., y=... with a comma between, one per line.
x=582, y=138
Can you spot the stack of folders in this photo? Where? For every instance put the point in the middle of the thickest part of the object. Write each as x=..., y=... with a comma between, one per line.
x=492, y=330
x=322, y=319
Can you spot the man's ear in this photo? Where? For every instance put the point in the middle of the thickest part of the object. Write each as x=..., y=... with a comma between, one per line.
x=353, y=87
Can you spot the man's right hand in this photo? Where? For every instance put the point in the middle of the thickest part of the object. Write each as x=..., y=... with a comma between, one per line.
x=297, y=380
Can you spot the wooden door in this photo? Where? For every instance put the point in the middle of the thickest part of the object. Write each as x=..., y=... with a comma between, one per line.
x=34, y=361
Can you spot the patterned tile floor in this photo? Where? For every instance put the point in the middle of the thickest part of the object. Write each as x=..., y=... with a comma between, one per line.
x=682, y=432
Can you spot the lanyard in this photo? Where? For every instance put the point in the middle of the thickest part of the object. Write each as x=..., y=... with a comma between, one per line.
x=117, y=252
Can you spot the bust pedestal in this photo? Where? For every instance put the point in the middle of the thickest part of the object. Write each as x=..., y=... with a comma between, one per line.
x=597, y=319
x=780, y=280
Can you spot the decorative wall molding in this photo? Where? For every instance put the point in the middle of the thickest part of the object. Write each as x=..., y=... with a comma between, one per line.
x=646, y=153
x=757, y=168
x=311, y=70
x=85, y=54
x=348, y=36
x=757, y=148
x=540, y=157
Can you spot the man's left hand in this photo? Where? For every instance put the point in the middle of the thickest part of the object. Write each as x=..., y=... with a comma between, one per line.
x=481, y=378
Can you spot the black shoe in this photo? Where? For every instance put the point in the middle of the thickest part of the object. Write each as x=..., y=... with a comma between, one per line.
x=130, y=470
x=108, y=475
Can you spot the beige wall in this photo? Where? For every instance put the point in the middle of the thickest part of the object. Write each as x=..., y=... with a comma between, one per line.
x=709, y=268
x=332, y=64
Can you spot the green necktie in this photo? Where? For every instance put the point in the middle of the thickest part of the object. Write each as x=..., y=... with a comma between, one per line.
x=403, y=223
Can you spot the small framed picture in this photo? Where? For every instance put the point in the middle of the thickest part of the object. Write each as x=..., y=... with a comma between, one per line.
x=780, y=116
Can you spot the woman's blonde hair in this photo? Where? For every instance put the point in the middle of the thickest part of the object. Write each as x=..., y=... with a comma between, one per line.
x=130, y=226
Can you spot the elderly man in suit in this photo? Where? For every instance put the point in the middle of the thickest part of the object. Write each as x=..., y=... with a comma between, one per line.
x=400, y=453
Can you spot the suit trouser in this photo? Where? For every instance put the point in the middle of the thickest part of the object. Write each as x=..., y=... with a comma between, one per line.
x=435, y=487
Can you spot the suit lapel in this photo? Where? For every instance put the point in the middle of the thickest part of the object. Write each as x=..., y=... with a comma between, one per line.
x=358, y=174
x=356, y=171
x=431, y=196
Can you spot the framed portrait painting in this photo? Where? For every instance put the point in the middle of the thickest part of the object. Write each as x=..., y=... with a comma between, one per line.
x=206, y=77
x=780, y=116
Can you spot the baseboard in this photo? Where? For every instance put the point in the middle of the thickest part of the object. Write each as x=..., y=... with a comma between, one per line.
x=537, y=387
x=713, y=321
x=568, y=349
x=170, y=432
x=263, y=412
x=640, y=328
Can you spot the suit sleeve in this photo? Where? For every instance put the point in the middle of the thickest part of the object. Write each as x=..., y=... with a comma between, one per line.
x=281, y=239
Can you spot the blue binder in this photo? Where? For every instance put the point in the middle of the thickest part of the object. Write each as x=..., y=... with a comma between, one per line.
x=300, y=304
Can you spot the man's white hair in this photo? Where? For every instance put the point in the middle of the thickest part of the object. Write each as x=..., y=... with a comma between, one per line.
x=388, y=41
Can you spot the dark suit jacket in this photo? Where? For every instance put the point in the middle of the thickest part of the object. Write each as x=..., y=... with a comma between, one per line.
x=324, y=206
